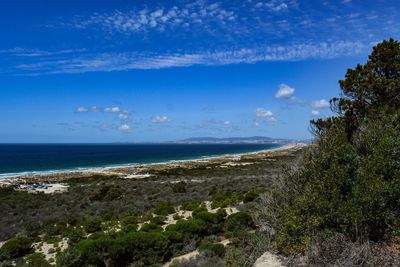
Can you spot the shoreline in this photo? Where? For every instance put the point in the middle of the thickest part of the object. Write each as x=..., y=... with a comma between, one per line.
x=136, y=170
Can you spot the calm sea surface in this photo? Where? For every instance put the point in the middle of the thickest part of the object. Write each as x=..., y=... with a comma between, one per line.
x=16, y=159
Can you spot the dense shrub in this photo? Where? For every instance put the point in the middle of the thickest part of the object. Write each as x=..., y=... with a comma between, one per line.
x=225, y=199
x=151, y=227
x=191, y=205
x=92, y=225
x=36, y=260
x=179, y=187
x=107, y=192
x=216, y=249
x=160, y=220
x=164, y=209
x=349, y=180
x=238, y=221
x=135, y=247
x=190, y=226
x=129, y=223
x=15, y=247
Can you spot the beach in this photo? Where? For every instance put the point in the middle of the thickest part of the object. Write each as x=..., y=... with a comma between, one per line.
x=147, y=170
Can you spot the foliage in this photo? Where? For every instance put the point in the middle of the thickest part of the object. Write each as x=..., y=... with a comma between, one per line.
x=191, y=205
x=164, y=209
x=225, y=199
x=159, y=219
x=151, y=227
x=216, y=249
x=15, y=248
x=179, y=187
x=134, y=247
x=92, y=225
x=239, y=221
x=35, y=260
x=107, y=192
x=349, y=180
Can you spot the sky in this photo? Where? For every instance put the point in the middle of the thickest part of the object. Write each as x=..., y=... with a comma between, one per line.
x=149, y=71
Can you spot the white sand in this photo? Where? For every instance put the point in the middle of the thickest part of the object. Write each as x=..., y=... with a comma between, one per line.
x=268, y=260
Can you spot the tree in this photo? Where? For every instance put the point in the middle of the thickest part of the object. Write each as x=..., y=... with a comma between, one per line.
x=367, y=89
x=15, y=248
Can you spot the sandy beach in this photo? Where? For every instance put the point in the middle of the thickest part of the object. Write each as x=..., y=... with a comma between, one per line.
x=148, y=170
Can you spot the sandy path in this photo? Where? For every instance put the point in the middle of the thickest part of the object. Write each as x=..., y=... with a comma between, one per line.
x=268, y=260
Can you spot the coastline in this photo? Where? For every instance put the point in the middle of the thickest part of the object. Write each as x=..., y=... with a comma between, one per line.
x=132, y=171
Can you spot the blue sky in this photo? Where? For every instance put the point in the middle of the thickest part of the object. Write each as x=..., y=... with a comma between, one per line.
x=116, y=71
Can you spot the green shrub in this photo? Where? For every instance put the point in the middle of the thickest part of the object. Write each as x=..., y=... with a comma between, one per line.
x=75, y=235
x=251, y=196
x=238, y=221
x=15, y=248
x=191, y=205
x=160, y=220
x=164, y=209
x=216, y=249
x=223, y=200
x=36, y=260
x=201, y=208
x=190, y=226
x=92, y=225
x=134, y=247
x=179, y=187
x=151, y=227
x=349, y=180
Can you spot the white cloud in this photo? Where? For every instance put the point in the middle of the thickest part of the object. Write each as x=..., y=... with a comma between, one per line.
x=320, y=104
x=123, y=116
x=315, y=112
x=284, y=91
x=95, y=109
x=159, y=119
x=227, y=122
x=82, y=110
x=112, y=110
x=265, y=114
x=125, y=128
x=139, y=20
x=129, y=61
x=256, y=124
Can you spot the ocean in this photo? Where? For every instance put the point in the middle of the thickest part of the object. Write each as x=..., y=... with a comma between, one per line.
x=27, y=159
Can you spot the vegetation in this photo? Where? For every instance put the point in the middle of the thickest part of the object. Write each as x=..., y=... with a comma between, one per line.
x=348, y=183
x=15, y=247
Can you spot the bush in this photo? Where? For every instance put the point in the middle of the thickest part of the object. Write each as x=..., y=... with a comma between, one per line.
x=160, y=220
x=223, y=200
x=134, y=247
x=238, y=221
x=36, y=260
x=179, y=187
x=251, y=196
x=93, y=225
x=190, y=226
x=151, y=227
x=349, y=180
x=216, y=249
x=15, y=248
x=191, y=205
x=164, y=209
x=75, y=235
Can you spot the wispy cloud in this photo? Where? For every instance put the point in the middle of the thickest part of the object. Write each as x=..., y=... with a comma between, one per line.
x=106, y=62
x=322, y=103
x=266, y=114
x=160, y=119
x=122, y=117
x=284, y=91
x=158, y=18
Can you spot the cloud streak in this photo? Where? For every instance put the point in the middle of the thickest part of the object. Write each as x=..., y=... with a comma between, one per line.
x=107, y=62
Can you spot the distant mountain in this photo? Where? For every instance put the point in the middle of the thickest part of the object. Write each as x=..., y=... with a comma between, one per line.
x=235, y=140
